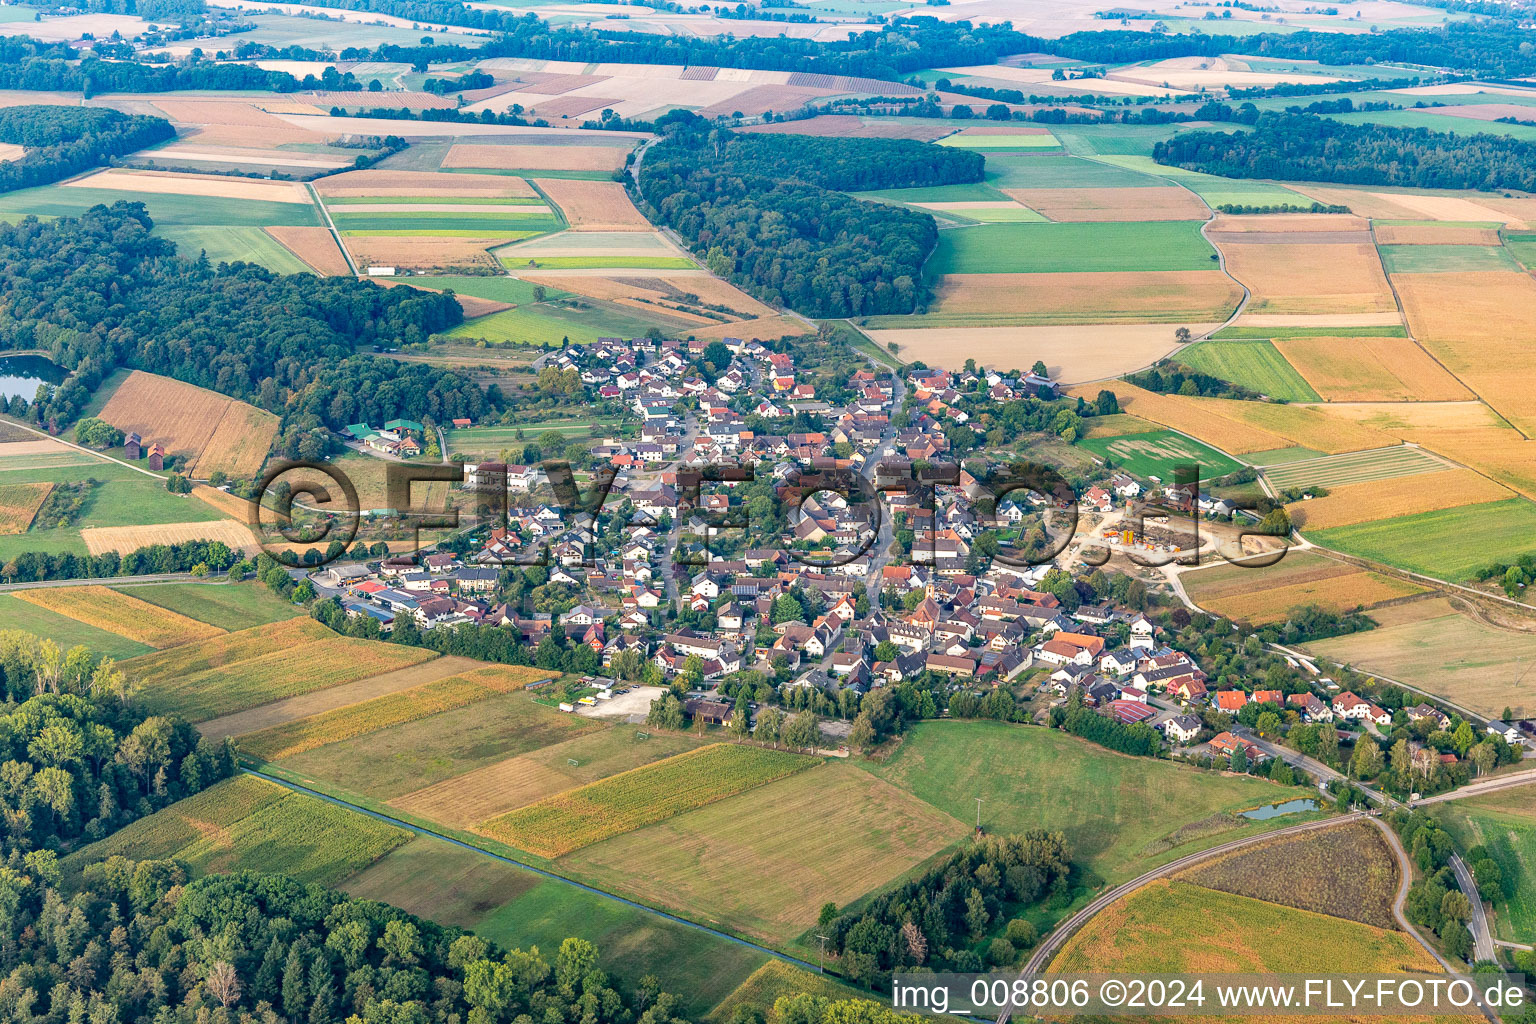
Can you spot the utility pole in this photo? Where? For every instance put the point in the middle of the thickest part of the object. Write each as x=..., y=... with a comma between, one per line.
x=978, y=814
x=822, y=957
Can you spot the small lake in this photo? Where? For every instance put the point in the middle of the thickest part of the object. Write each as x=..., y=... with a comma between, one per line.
x=1275, y=810
x=20, y=375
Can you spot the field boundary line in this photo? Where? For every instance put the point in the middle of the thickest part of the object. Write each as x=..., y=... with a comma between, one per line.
x=331, y=224
x=424, y=830
x=82, y=448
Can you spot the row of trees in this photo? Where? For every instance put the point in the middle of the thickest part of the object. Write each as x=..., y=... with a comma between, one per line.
x=41, y=66
x=63, y=141
x=770, y=213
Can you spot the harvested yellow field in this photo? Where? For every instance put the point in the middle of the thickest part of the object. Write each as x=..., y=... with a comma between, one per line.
x=1174, y=295
x=668, y=286
x=1348, y=504
x=1343, y=369
x=344, y=723
x=1269, y=223
x=19, y=504
x=121, y=614
x=1390, y=318
x=1451, y=208
x=486, y=792
x=1480, y=325
x=1435, y=234
x=536, y=158
x=593, y=205
x=123, y=539
x=1498, y=452
x=1113, y=204
x=218, y=111
x=1239, y=427
x=213, y=431
x=1073, y=353
x=423, y=252
x=427, y=184
x=768, y=328
x=232, y=505
x=1409, y=206
x=1402, y=419
x=213, y=186
x=1309, y=278
x=315, y=246
x=1340, y=593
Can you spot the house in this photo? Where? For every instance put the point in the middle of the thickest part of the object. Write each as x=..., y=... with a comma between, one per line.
x=715, y=712
x=1231, y=701
x=1423, y=712
x=1129, y=712
x=1118, y=662
x=949, y=665
x=156, y=456
x=1226, y=743
x=1350, y=707
x=1188, y=689
x=1310, y=707
x=1504, y=730
x=1182, y=728
x=131, y=443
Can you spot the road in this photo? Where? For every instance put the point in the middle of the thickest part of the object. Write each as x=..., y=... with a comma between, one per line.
x=1482, y=935
x=1493, y=785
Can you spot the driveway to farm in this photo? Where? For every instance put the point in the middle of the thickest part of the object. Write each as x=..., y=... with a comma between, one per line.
x=118, y=581
x=1482, y=936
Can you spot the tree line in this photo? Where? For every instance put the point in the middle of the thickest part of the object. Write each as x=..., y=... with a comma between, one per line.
x=763, y=211
x=43, y=67
x=1305, y=147
x=63, y=141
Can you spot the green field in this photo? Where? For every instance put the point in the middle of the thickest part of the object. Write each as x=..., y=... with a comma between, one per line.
x=549, y=325
x=1157, y=452
x=438, y=200
x=1282, y=456
x=517, y=219
x=1252, y=363
x=499, y=289
x=1441, y=122
x=1504, y=823
x=1444, y=259
x=124, y=498
x=225, y=244
x=1214, y=189
x=936, y=194
x=1275, y=333
x=1065, y=248
x=230, y=606
x=1350, y=468
x=601, y=262
x=1450, y=543
x=1121, y=815
x=1057, y=170
x=995, y=142
x=66, y=632
x=164, y=210
x=1522, y=247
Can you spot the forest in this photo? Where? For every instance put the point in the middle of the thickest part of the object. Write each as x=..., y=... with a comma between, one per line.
x=1305, y=147
x=762, y=211
x=99, y=292
x=63, y=141
x=43, y=66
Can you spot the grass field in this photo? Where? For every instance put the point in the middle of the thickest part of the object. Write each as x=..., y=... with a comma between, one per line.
x=549, y=325
x=1066, y=248
x=827, y=835
x=1476, y=665
x=165, y=210
x=230, y=606
x=246, y=823
x=1255, y=364
x=1352, y=468
x=622, y=803
x=1058, y=170
x=498, y=289
x=256, y=666
x=777, y=979
x=1176, y=928
x=66, y=632
x=994, y=142
x=225, y=244
x=1121, y=815
x=1158, y=452
x=602, y=263
x=1440, y=543
x=1504, y=823
x=1440, y=259
x=119, y=613
x=404, y=758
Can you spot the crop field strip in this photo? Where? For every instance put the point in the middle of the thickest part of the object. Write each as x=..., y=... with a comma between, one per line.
x=1301, y=277
x=643, y=796
x=229, y=673
x=381, y=712
x=64, y=631
x=215, y=431
x=1071, y=248
x=1099, y=297
x=1157, y=452
x=1353, y=468
x=1348, y=504
x=1071, y=352
x=1370, y=369
x=19, y=503
x=1339, y=593
x=229, y=606
x=1255, y=364
x=1435, y=543
x=119, y=613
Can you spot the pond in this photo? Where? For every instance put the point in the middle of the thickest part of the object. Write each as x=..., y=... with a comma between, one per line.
x=1275, y=810
x=20, y=375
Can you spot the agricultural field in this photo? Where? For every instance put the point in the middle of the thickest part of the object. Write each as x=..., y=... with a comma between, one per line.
x=1446, y=259
x=1173, y=927
x=119, y=613
x=1071, y=248
x=593, y=205
x=1152, y=203
x=122, y=539
x=1186, y=296
x=1458, y=657
x=255, y=666
x=1255, y=364
x=1121, y=815
x=1157, y=453
x=213, y=431
x=1352, y=468
x=229, y=606
x=226, y=244
x=1263, y=594
x=344, y=723
x=553, y=322
x=1436, y=543
x=776, y=979
x=1346, y=872
x=829, y=834
x=1504, y=823
x=314, y=247
x=1349, y=504
x=246, y=823
x=64, y=631
x=643, y=796
x=1301, y=277
x=1071, y=353
x=1370, y=369
x=19, y=503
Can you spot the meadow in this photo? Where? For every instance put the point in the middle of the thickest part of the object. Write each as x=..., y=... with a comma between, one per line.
x=229, y=244
x=1121, y=815
x=497, y=289
x=1441, y=259
x=166, y=210
x=1460, y=658
x=1438, y=543
x=1070, y=248
x=643, y=796
x=550, y=325
x=229, y=606
x=1158, y=452
x=828, y=835
x=1178, y=928
x=1255, y=364
x=1504, y=823
x=64, y=631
